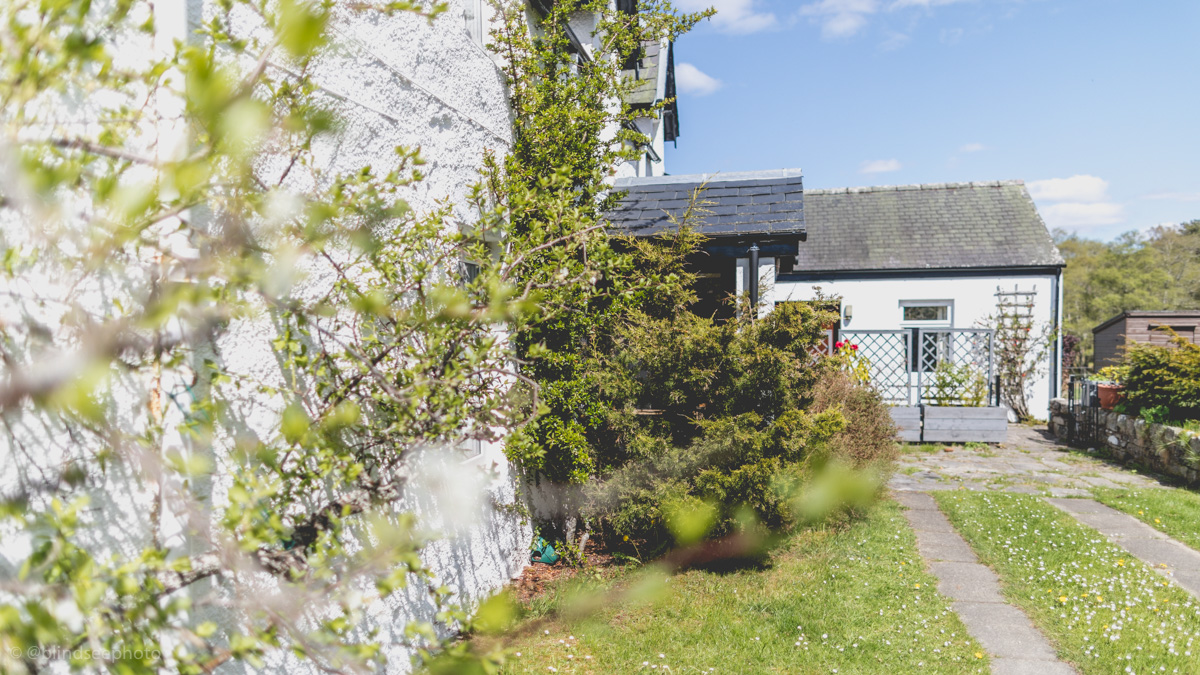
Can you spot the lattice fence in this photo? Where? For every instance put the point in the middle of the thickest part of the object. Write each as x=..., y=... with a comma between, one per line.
x=955, y=366
x=888, y=354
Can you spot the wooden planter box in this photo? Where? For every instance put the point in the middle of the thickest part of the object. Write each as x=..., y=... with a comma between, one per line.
x=964, y=425
x=908, y=422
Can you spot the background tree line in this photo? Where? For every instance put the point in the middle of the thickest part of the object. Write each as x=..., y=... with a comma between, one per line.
x=1158, y=269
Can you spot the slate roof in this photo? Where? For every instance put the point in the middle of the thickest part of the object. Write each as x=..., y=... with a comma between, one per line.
x=936, y=226
x=749, y=203
x=645, y=92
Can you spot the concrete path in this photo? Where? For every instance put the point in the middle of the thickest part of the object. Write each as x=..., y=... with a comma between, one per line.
x=1016, y=646
x=1165, y=555
x=1030, y=461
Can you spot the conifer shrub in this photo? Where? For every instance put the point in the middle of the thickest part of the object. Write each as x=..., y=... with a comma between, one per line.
x=1164, y=377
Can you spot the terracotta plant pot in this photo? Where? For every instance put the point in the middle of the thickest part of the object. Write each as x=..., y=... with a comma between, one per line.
x=1110, y=394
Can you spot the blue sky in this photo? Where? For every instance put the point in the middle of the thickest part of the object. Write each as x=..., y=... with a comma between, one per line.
x=1094, y=103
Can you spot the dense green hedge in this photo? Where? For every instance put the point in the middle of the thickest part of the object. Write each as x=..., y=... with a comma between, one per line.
x=1164, y=380
x=669, y=418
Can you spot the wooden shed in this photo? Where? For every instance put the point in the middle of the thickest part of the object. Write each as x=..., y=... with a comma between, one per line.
x=1111, y=337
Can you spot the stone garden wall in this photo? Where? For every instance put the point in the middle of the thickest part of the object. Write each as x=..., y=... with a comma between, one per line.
x=1165, y=449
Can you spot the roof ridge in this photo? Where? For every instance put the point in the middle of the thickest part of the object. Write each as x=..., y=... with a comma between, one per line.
x=710, y=178
x=913, y=186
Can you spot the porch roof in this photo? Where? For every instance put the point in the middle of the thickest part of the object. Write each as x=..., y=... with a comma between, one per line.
x=753, y=205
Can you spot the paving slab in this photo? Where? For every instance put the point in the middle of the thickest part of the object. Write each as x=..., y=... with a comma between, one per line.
x=1069, y=492
x=1189, y=580
x=967, y=582
x=944, y=547
x=1119, y=526
x=1083, y=506
x=1004, y=631
x=917, y=501
x=1027, y=667
x=929, y=521
x=1163, y=552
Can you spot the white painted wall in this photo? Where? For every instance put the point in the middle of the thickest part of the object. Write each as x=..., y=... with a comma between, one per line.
x=876, y=305
x=395, y=81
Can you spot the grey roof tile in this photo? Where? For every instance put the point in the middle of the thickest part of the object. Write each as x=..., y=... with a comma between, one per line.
x=739, y=203
x=954, y=225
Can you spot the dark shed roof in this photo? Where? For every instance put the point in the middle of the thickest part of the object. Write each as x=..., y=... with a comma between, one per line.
x=1151, y=314
x=751, y=203
x=936, y=226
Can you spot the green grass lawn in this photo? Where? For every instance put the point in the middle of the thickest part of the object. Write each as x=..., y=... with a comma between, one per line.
x=1104, y=610
x=853, y=601
x=1174, y=511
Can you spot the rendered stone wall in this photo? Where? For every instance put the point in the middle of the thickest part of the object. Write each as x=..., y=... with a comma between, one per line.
x=394, y=81
x=1168, y=450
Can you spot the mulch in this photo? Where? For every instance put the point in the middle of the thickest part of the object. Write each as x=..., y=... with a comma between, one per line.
x=538, y=577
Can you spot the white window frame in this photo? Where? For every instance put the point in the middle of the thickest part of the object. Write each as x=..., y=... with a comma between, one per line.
x=473, y=19
x=948, y=322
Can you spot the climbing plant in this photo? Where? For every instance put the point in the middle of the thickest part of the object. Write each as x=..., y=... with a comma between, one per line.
x=1021, y=346
x=573, y=128
x=217, y=354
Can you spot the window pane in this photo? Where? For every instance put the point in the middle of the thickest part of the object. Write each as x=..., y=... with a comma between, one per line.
x=927, y=313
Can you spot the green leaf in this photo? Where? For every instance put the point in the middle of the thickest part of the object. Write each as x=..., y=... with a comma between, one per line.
x=294, y=423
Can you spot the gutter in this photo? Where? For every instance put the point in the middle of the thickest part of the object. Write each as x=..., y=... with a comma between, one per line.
x=919, y=272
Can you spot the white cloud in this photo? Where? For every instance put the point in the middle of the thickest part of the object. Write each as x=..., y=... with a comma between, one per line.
x=950, y=36
x=973, y=147
x=1175, y=196
x=1081, y=188
x=1075, y=214
x=1078, y=201
x=733, y=16
x=879, y=166
x=840, y=18
x=692, y=80
x=845, y=18
x=894, y=41
x=926, y=4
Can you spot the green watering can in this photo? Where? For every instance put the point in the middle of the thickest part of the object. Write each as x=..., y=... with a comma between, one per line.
x=543, y=553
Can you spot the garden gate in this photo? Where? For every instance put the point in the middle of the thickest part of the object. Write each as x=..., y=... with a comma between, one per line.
x=1084, y=421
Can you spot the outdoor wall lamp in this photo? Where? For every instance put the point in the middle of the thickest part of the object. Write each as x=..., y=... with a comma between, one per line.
x=848, y=313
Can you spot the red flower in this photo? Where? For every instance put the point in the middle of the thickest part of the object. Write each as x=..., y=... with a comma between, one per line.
x=854, y=347
x=839, y=345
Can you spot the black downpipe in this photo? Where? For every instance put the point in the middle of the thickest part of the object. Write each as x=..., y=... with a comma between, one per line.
x=753, y=281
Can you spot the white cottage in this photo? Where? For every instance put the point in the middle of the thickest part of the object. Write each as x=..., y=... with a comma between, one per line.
x=940, y=258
